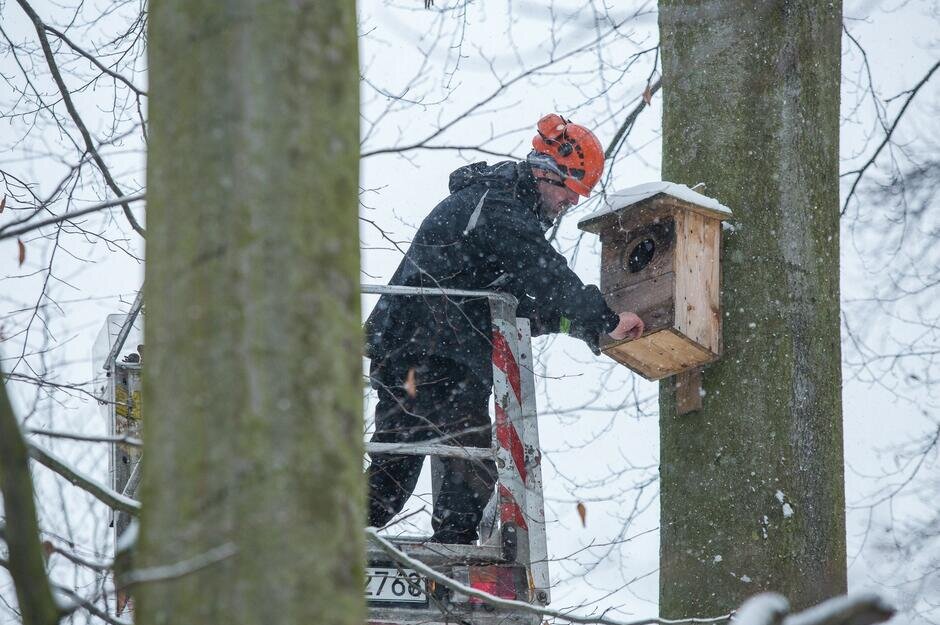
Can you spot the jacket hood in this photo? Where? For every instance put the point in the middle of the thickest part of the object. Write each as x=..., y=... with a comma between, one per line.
x=504, y=174
x=511, y=176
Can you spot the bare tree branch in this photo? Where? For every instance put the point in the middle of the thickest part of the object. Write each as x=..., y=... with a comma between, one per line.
x=861, y=171
x=75, y=436
x=614, y=146
x=21, y=532
x=180, y=569
x=15, y=232
x=76, y=478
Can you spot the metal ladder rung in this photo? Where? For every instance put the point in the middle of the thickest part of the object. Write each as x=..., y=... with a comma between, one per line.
x=435, y=554
x=446, y=451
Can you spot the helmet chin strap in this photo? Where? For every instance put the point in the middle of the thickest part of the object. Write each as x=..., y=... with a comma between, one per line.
x=546, y=163
x=544, y=220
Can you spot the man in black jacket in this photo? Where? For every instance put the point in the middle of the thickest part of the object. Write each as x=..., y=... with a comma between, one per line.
x=431, y=356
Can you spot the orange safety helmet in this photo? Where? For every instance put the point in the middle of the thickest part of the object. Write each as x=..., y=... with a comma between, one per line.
x=575, y=150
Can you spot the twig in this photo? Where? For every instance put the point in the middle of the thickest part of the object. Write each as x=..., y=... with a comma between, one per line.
x=614, y=146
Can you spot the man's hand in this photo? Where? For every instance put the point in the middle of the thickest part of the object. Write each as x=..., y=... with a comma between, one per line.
x=630, y=326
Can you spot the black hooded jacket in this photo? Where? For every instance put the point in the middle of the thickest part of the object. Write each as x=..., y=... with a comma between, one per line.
x=488, y=234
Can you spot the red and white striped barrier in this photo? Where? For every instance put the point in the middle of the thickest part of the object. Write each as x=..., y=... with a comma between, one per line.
x=508, y=399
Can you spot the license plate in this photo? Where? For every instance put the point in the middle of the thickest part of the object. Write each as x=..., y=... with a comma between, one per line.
x=392, y=585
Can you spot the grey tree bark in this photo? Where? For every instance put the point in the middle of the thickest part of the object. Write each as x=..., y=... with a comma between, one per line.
x=752, y=485
x=252, y=384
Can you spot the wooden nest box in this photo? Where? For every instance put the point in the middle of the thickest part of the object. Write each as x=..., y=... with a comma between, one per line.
x=659, y=258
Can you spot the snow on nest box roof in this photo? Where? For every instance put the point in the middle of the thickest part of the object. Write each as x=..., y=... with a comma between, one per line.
x=641, y=193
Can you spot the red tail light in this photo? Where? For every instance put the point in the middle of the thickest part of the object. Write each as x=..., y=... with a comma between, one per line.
x=499, y=581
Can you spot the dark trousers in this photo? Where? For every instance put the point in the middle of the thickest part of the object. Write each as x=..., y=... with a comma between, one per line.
x=443, y=402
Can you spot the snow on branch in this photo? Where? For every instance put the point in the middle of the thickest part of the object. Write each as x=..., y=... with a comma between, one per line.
x=860, y=609
x=768, y=608
x=89, y=438
x=86, y=483
x=773, y=609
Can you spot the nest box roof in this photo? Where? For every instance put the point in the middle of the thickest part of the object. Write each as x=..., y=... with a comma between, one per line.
x=644, y=194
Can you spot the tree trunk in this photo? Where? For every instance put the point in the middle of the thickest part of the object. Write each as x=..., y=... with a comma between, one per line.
x=253, y=409
x=752, y=484
x=20, y=527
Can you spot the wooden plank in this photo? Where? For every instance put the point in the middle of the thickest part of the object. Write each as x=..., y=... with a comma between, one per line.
x=640, y=357
x=689, y=391
x=615, y=255
x=669, y=359
x=711, y=269
x=652, y=300
x=683, y=351
x=659, y=355
x=698, y=314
